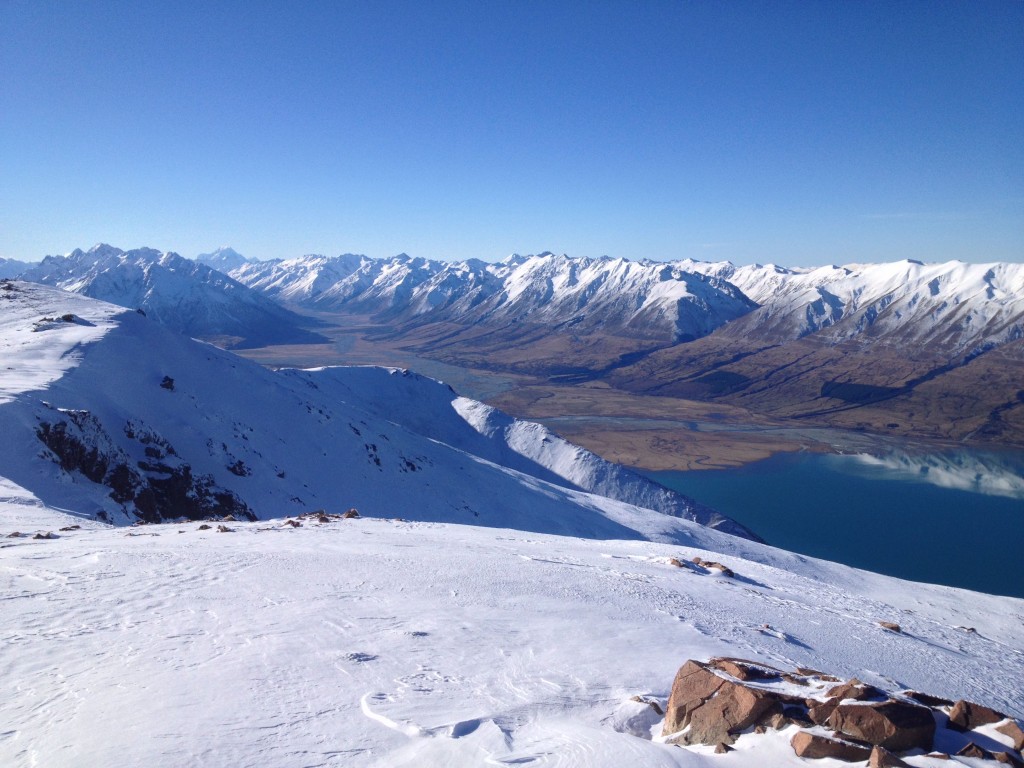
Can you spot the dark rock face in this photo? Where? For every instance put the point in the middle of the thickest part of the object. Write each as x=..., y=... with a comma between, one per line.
x=160, y=487
x=894, y=725
x=816, y=746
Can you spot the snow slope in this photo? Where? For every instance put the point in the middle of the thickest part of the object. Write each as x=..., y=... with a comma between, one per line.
x=12, y=267
x=189, y=297
x=224, y=259
x=386, y=643
x=114, y=416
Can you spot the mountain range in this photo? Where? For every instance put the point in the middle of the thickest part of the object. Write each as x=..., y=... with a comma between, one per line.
x=903, y=348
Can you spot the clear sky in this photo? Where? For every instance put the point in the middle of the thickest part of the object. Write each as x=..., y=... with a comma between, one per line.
x=802, y=132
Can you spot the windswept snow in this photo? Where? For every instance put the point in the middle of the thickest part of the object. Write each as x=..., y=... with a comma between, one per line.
x=387, y=643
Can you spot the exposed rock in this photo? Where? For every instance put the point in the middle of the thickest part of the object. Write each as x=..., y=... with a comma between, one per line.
x=890, y=626
x=167, y=383
x=712, y=708
x=71, y=527
x=47, y=535
x=927, y=699
x=293, y=523
x=323, y=519
x=676, y=562
x=938, y=755
x=883, y=758
x=973, y=750
x=1014, y=731
x=228, y=519
x=652, y=703
x=966, y=716
x=224, y=529
x=350, y=514
x=854, y=689
x=820, y=711
x=721, y=748
x=1009, y=758
x=744, y=669
x=894, y=725
x=203, y=527
x=816, y=746
x=14, y=535
x=711, y=564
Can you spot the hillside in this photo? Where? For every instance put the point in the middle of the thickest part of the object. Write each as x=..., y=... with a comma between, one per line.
x=107, y=411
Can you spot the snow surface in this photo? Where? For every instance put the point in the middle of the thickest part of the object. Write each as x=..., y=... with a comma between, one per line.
x=387, y=643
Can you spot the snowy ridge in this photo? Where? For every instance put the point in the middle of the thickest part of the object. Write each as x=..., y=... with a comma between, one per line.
x=189, y=297
x=954, y=306
x=146, y=423
x=223, y=259
x=433, y=410
x=644, y=299
x=12, y=268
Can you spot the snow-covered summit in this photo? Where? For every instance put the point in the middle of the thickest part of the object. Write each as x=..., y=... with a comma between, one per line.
x=187, y=296
x=224, y=259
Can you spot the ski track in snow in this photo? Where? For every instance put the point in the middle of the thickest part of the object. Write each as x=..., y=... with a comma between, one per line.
x=374, y=642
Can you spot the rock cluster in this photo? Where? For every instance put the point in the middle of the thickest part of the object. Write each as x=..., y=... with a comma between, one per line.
x=714, y=702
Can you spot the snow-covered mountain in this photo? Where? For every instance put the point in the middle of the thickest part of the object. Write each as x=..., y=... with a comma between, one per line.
x=642, y=299
x=12, y=268
x=224, y=259
x=180, y=293
x=953, y=307
x=106, y=411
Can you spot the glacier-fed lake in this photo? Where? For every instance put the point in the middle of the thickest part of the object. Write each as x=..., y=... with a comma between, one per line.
x=954, y=518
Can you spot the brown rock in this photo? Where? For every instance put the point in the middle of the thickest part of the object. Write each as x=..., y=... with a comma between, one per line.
x=927, y=699
x=203, y=527
x=14, y=535
x=883, y=758
x=820, y=711
x=676, y=562
x=890, y=626
x=973, y=750
x=721, y=748
x=293, y=523
x=712, y=707
x=966, y=716
x=808, y=672
x=350, y=514
x=794, y=679
x=815, y=746
x=798, y=715
x=895, y=725
x=1014, y=731
x=224, y=529
x=323, y=519
x=938, y=755
x=854, y=689
x=71, y=527
x=1009, y=759
x=653, y=704
x=47, y=535
x=744, y=669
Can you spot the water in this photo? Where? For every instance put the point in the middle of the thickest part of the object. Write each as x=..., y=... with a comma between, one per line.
x=952, y=518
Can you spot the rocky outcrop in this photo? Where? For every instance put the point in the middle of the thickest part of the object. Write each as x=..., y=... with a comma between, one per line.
x=895, y=725
x=159, y=486
x=714, y=702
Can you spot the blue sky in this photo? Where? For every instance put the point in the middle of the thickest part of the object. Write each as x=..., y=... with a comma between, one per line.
x=796, y=133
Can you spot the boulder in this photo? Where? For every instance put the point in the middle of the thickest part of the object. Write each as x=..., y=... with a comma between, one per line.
x=744, y=669
x=1014, y=731
x=895, y=725
x=883, y=758
x=966, y=716
x=854, y=689
x=816, y=746
x=350, y=514
x=820, y=711
x=973, y=750
x=891, y=626
x=1008, y=758
x=713, y=708
x=721, y=748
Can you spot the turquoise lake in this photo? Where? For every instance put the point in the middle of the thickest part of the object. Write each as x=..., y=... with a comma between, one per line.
x=943, y=518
